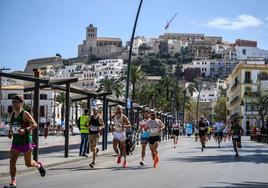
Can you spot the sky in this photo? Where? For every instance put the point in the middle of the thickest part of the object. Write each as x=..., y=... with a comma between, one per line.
x=33, y=29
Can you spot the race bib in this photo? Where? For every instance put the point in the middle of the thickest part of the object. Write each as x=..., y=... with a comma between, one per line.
x=94, y=128
x=15, y=128
x=202, y=128
x=235, y=136
x=154, y=130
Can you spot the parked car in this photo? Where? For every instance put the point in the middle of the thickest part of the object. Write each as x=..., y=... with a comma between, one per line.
x=3, y=129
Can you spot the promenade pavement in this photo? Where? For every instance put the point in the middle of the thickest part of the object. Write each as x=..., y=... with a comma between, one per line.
x=51, y=152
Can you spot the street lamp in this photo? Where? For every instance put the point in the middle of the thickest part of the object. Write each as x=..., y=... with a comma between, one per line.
x=129, y=58
x=1, y=112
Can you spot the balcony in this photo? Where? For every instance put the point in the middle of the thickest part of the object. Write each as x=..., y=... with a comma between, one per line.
x=235, y=85
x=235, y=100
x=248, y=81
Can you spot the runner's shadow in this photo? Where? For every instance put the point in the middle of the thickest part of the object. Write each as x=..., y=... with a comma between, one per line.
x=243, y=184
x=254, y=158
x=86, y=168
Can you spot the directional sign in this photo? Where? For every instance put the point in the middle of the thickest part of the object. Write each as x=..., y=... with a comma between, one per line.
x=128, y=103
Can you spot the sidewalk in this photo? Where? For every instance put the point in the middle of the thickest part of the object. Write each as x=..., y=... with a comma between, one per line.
x=51, y=153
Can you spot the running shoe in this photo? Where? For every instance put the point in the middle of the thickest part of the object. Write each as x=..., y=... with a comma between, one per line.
x=119, y=159
x=92, y=164
x=125, y=164
x=142, y=163
x=41, y=169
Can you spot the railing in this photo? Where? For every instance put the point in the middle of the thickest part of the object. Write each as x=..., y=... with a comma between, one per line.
x=248, y=81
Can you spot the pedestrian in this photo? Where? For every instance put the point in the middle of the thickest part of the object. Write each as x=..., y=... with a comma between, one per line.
x=145, y=134
x=20, y=130
x=121, y=123
x=96, y=125
x=155, y=126
x=46, y=128
x=83, y=127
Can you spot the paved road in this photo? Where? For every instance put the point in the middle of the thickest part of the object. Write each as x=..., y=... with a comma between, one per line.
x=185, y=166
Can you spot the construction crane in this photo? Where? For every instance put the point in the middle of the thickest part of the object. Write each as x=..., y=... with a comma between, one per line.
x=169, y=22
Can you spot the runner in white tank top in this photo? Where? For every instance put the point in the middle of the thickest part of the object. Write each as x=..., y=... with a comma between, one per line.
x=120, y=123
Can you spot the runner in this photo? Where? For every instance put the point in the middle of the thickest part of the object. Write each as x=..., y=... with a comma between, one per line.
x=20, y=128
x=121, y=122
x=175, y=133
x=144, y=136
x=219, y=126
x=96, y=125
x=202, y=126
x=236, y=131
x=155, y=126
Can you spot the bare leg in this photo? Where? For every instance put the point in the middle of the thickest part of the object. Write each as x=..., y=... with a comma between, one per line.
x=115, y=146
x=13, y=160
x=28, y=160
x=143, y=148
x=123, y=148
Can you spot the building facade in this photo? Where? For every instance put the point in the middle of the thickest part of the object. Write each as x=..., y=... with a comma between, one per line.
x=101, y=47
x=241, y=93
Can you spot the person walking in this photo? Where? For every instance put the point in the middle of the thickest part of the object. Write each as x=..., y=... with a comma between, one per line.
x=96, y=125
x=121, y=123
x=20, y=130
x=83, y=127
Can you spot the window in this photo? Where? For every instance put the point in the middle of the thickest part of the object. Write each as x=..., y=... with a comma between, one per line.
x=244, y=51
x=27, y=96
x=247, y=77
x=11, y=95
x=9, y=109
x=43, y=96
x=42, y=111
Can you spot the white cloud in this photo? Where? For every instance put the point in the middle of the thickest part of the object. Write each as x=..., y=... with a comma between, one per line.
x=240, y=22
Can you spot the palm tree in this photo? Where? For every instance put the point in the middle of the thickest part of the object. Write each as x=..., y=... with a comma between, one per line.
x=27, y=107
x=137, y=76
x=166, y=85
x=191, y=89
x=148, y=95
x=112, y=84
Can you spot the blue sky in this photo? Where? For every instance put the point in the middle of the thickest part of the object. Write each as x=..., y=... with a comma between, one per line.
x=41, y=28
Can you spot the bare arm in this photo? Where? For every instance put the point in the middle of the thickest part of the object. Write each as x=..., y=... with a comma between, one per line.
x=101, y=123
x=162, y=126
x=30, y=120
x=126, y=122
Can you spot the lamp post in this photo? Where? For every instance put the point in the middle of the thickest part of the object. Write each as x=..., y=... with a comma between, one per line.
x=129, y=58
x=1, y=112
